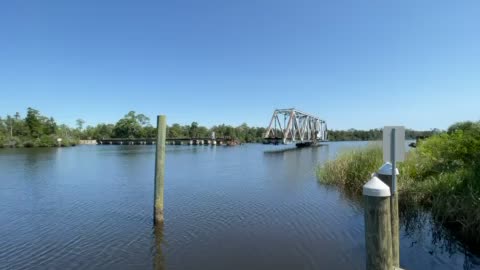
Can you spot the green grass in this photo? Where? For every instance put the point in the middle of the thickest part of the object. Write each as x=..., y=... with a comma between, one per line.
x=442, y=174
x=351, y=168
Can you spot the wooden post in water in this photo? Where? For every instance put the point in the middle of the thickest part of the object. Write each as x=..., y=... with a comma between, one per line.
x=378, y=238
x=159, y=168
x=385, y=174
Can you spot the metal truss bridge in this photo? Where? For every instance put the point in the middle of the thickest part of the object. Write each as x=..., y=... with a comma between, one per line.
x=292, y=126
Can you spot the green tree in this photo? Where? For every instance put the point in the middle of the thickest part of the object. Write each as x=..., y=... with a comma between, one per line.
x=49, y=126
x=80, y=123
x=10, y=122
x=130, y=126
x=142, y=119
x=464, y=126
x=33, y=122
x=104, y=131
x=193, y=130
x=175, y=131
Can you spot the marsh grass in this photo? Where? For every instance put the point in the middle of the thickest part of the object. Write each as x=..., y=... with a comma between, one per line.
x=351, y=168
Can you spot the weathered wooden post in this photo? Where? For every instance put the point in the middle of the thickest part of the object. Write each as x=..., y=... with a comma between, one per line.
x=160, y=168
x=385, y=174
x=378, y=238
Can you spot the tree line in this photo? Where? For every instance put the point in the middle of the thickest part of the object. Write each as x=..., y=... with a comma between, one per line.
x=373, y=134
x=134, y=125
x=34, y=130
x=37, y=130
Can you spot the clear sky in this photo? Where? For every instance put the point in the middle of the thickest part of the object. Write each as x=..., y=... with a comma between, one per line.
x=357, y=64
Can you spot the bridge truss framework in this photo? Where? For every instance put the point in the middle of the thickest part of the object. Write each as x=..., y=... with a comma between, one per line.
x=297, y=127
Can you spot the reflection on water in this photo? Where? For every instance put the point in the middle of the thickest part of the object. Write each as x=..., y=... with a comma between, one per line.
x=90, y=207
x=159, y=259
x=421, y=229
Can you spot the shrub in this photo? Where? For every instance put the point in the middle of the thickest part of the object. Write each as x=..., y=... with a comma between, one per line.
x=10, y=142
x=448, y=152
x=46, y=141
x=69, y=142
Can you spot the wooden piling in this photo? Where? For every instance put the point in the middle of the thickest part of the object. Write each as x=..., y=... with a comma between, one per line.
x=159, y=168
x=385, y=174
x=378, y=238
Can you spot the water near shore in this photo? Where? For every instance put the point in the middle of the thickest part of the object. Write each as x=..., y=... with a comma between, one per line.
x=90, y=207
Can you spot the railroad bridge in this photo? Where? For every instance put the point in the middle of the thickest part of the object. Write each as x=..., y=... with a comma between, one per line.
x=297, y=127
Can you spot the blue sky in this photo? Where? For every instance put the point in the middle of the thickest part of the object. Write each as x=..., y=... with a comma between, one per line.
x=357, y=64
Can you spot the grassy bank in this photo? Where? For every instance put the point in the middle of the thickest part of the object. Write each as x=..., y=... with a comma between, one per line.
x=442, y=174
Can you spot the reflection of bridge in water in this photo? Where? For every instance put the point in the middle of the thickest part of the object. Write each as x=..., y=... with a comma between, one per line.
x=177, y=141
x=298, y=127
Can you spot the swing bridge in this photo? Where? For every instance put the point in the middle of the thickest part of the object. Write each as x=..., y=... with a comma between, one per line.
x=297, y=127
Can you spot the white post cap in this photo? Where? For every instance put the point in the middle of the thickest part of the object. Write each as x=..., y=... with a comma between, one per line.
x=386, y=169
x=376, y=188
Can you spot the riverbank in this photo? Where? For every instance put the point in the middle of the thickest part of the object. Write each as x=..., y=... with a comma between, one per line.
x=441, y=175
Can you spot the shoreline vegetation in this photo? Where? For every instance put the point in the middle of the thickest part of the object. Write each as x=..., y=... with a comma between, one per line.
x=36, y=130
x=441, y=175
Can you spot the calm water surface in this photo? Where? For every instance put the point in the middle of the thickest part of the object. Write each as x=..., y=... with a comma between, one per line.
x=90, y=207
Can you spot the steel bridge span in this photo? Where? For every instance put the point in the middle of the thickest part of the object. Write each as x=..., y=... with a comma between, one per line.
x=289, y=126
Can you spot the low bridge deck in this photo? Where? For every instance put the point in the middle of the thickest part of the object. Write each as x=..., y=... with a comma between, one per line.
x=176, y=141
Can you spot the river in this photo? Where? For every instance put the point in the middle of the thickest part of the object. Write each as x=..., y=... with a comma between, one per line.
x=90, y=207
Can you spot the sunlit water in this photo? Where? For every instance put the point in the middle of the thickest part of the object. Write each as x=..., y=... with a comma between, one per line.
x=90, y=207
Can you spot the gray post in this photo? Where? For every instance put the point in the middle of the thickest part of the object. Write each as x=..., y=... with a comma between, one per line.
x=378, y=238
x=160, y=168
x=385, y=173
